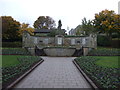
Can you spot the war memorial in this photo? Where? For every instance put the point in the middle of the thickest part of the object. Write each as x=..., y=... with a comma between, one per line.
x=59, y=45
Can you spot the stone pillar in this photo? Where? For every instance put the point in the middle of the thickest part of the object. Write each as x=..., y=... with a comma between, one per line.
x=26, y=39
x=35, y=40
x=85, y=51
x=32, y=50
x=95, y=41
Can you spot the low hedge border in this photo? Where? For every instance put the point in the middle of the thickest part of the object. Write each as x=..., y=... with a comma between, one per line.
x=10, y=75
x=101, y=76
x=15, y=51
x=85, y=76
x=24, y=75
x=12, y=44
x=104, y=52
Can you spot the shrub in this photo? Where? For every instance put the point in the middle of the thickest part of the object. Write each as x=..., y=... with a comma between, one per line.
x=104, y=52
x=115, y=35
x=12, y=44
x=15, y=51
x=52, y=33
x=115, y=43
x=56, y=32
x=103, y=40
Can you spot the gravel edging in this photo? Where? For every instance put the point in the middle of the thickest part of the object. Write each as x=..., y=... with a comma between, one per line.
x=24, y=75
x=85, y=76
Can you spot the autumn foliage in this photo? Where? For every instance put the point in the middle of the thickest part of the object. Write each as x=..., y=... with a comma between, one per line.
x=107, y=22
x=25, y=27
x=12, y=29
x=45, y=22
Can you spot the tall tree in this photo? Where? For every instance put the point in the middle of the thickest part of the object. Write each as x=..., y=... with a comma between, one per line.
x=79, y=30
x=44, y=22
x=107, y=22
x=25, y=27
x=10, y=28
x=87, y=26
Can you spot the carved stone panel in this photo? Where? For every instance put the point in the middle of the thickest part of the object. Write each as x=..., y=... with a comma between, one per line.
x=72, y=41
x=59, y=41
x=83, y=41
x=46, y=41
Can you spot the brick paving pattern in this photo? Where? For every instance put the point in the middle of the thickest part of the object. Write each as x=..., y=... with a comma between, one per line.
x=54, y=72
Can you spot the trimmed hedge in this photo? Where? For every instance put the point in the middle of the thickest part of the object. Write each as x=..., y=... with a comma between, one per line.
x=103, y=77
x=104, y=52
x=15, y=51
x=10, y=74
x=12, y=44
x=103, y=40
x=115, y=43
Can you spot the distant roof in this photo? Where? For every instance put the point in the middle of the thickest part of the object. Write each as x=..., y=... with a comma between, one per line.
x=45, y=30
x=42, y=30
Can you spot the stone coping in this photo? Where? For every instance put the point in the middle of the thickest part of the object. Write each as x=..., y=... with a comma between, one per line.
x=66, y=36
x=24, y=75
x=58, y=46
x=75, y=36
x=85, y=76
x=66, y=47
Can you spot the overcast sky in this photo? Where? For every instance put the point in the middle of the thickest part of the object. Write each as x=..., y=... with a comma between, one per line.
x=71, y=12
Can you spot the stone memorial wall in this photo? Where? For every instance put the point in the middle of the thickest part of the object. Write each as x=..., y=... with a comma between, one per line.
x=31, y=42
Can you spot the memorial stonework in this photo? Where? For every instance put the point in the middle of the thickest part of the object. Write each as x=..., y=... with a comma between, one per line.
x=62, y=45
x=54, y=42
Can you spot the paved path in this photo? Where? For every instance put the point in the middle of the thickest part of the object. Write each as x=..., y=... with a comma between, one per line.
x=55, y=72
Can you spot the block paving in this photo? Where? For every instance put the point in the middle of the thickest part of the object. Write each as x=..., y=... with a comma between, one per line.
x=55, y=72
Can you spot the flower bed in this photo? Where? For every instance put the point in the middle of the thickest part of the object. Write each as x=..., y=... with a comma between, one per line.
x=10, y=74
x=15, y=51
x=105, y=52
x=103, y=77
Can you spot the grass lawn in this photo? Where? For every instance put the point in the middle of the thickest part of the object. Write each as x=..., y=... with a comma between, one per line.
x=108, y=61
x=9, y=60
